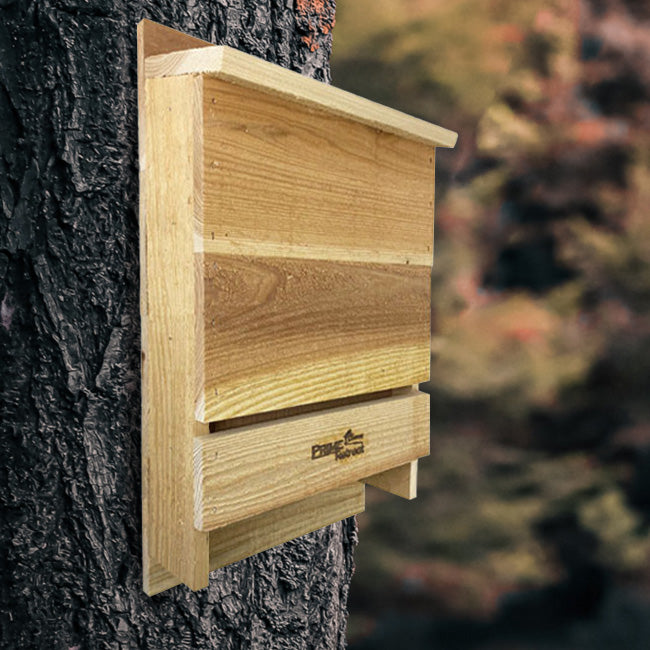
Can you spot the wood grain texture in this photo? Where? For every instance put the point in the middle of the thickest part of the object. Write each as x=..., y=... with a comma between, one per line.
x=154, y=39
x=236, y=67
x=250, y=470
x=256, y=300
x=245, y=538
x=250, y=536
x=282, y=180
x=171, y=118
x=401, y=481
x=283, y=332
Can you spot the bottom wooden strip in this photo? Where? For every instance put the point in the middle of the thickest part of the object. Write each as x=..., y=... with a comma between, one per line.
x=250, y=536
x=401, y=481
x=245, y=538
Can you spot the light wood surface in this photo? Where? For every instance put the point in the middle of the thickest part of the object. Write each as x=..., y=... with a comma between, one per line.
x=286, y=243
x=283, y=181
x=168, y=329
x=284, y=332
x=401, y=481
x=154, y=39
x=245, y=538
x=245, y=472
x=250, y=536
x=243, y=69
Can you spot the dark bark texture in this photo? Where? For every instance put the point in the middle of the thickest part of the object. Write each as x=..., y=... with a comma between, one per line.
x=69, y=344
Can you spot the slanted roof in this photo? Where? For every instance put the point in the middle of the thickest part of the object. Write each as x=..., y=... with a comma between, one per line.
x=243, y=69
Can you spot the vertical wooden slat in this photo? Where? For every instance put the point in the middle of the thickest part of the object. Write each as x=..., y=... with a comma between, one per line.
x=169, y=333
x=401, y=481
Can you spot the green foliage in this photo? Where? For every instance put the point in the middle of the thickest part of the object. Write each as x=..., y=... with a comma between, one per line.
x=541, y=292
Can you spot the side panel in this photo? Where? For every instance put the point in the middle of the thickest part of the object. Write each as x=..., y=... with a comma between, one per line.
x=169, y=323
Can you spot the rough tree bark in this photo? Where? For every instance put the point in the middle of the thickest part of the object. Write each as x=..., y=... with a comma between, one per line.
x=69, y=333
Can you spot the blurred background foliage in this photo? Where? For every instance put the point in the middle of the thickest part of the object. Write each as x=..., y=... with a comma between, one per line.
x=531, y=525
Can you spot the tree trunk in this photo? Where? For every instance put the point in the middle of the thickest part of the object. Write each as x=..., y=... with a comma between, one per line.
x=69, y=330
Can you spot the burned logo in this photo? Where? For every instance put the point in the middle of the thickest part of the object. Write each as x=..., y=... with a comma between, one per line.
x=349, y=445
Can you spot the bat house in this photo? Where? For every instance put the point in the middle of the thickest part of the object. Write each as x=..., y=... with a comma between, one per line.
x=286, y=244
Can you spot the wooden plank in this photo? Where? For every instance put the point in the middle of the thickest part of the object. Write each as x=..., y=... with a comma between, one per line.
x=401, y=481
x=282, y=332
x=153, y=39
x=169, y=208
x=250, y=536
x=247, y=471
x=245, y=538
x=283, y=181
x=243, y=69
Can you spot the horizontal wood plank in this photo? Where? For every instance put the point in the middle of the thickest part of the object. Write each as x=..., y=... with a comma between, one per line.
x=247, y=471
x=245, y=538
x=283, y=181
x=282, y=332
x=231, y=65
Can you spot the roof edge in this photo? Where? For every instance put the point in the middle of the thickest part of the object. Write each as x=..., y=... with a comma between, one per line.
x=246, y=70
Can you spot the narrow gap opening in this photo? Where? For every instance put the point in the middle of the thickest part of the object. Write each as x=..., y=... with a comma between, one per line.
x=246, y=420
